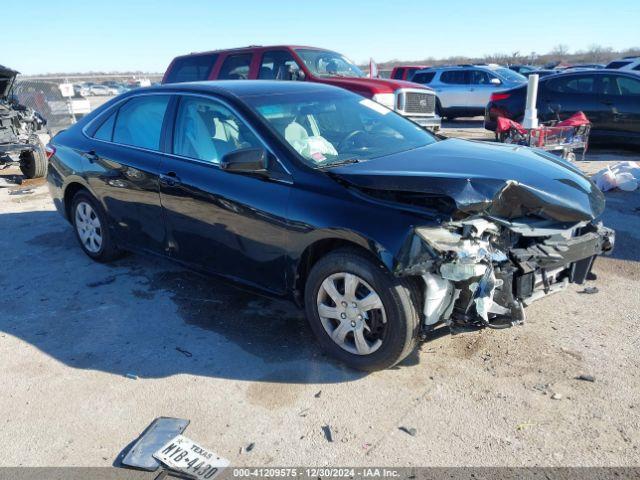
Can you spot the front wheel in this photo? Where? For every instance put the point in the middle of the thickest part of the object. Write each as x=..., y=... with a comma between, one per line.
x=359, y=312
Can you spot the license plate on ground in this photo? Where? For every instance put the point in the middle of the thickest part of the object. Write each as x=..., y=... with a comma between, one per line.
x=186, y=456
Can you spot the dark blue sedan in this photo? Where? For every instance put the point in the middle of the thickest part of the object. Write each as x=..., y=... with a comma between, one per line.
x=379, y=229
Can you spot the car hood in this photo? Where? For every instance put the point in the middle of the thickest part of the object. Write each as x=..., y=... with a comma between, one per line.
x=7, y=76
x=371, y=86
x=469, y=177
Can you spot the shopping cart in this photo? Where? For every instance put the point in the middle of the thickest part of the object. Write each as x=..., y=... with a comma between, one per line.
x=563, y=138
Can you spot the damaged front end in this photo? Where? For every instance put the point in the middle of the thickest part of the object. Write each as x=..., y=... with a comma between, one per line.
x=20, y=126
x=485, y=271
x=503, y=225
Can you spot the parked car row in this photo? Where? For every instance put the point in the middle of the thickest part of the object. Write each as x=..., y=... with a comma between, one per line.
x=108, y=88
x=308, y=64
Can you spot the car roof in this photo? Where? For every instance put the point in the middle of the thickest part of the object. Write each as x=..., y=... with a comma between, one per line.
x=250, y=48
x=590, y=71
x=245, y=88
x=492, y=67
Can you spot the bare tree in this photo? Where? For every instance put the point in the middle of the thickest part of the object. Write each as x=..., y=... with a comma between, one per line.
x=598, y=53
x=560, y=50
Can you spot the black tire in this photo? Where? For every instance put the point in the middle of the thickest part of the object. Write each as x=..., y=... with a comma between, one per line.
x=399, y=297
x=438, y=108
x=108, y=249
x=33, y=164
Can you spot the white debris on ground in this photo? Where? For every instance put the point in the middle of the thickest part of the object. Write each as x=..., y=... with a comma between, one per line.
x=623, y=175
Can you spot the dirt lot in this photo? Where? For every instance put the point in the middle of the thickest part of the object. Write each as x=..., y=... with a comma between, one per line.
x=246, y=369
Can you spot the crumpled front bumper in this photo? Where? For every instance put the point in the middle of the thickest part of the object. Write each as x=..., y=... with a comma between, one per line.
x=483, y=270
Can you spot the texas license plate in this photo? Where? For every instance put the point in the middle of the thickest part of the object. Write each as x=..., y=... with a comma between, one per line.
x=186, y=456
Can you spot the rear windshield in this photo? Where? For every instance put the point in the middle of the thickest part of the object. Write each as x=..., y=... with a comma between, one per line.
x=510, y=75
x=618, y=64
x=193, y=68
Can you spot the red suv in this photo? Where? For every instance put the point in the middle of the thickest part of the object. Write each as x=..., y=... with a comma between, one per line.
x=309, y=64
x=405, y=72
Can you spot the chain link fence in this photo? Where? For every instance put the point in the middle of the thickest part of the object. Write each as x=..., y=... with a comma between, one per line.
x=44, y=97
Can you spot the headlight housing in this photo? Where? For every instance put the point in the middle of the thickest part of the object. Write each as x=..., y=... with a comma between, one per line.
x=386, y=99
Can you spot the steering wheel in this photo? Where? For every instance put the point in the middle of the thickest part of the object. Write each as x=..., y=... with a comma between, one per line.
x=350, y=138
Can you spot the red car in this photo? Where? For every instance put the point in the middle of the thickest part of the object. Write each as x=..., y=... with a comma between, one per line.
x=405, y=72
x=309, y=64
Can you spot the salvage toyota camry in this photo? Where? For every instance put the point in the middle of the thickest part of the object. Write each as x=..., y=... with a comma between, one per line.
x=378, y=228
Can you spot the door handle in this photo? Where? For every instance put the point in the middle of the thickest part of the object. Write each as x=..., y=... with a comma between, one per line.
x=607, y=103
x=170, y=179
x=91, y=156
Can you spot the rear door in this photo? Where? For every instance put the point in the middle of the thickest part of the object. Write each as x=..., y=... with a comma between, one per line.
x=235, y=66
x=230, y=224
x=126, y=154
x=453, y=88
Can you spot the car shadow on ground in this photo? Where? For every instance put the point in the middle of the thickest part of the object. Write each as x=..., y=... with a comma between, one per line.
x=147, y=317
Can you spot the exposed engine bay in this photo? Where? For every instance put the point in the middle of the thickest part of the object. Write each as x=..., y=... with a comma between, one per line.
x=20, y=127
x=488, y=271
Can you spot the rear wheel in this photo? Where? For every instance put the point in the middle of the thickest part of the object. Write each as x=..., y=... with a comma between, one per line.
x=91, y=227
x=359, y=312
x=33, y=163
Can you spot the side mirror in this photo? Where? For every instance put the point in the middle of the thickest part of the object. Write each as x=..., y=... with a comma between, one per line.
x=495, y=81
x=245, y=160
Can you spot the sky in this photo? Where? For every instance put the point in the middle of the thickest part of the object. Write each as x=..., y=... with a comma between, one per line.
x=144, y=35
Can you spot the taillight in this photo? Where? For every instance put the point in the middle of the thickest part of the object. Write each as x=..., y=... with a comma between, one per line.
x=49, y=150
x=499, y=96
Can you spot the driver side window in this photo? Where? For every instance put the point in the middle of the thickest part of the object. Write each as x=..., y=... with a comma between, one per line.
x=278, y=65
x=207, y=130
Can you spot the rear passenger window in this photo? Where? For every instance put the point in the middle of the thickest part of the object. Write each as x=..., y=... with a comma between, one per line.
x=457, y=77
x=425, y=77
x=575, y=84
x=191, y=69
x=278, y=65
x=105, y=132
x=236, y=67
x=139, y=121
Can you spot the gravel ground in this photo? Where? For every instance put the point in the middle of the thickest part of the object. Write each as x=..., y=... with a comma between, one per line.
x=246, y=369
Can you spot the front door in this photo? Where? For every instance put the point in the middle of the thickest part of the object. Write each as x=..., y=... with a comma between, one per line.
x=230, y=224
x=480, y=89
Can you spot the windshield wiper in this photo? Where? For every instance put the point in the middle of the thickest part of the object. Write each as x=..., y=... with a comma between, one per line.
x=346, y=161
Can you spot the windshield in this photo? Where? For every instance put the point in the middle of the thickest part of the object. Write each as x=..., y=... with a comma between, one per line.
x=330, y=128
x=510, y=75
x=324, y=63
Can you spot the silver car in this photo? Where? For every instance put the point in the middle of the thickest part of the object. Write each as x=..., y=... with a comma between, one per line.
x=464, y=90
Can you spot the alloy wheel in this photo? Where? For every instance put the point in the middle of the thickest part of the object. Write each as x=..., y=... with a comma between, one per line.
x=352, y=313
x=88, y=227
